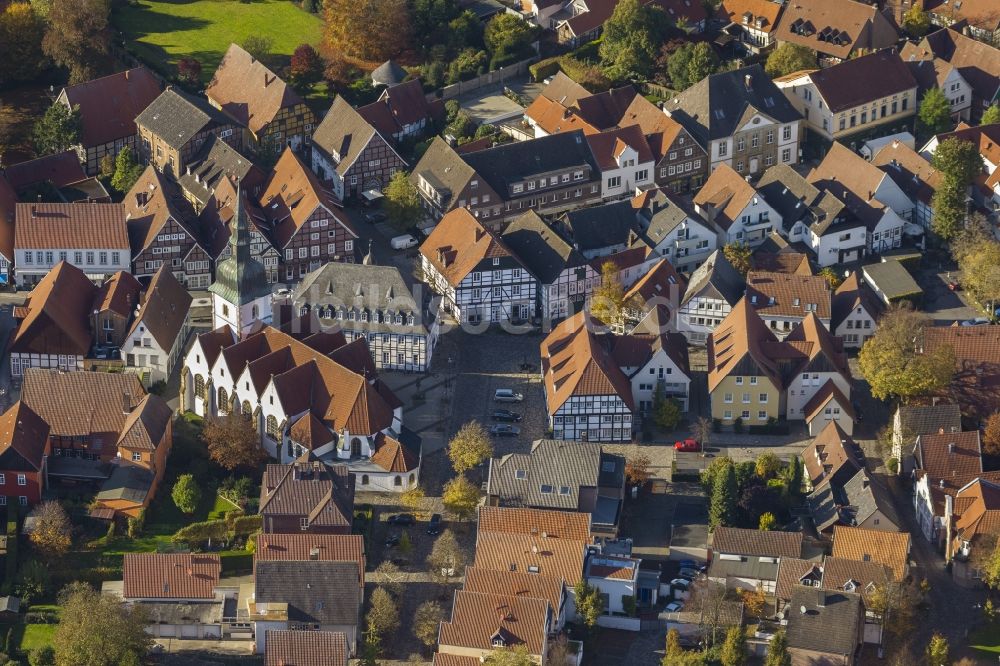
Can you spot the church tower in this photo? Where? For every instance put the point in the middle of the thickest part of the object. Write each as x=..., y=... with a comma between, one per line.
x=240, y=293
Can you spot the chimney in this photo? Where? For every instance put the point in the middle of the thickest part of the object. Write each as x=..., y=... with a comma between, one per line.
x=821, y=599
x=748, y=81
x=126, y=403
x=951, y=447
x=314, y=553
x=940, y=431
x=949, y=508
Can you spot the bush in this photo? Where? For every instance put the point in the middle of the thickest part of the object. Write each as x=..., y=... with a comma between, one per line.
x=42, y=656
x=543, y=69
x=716, y=425
x=236, y=562
x=892, y=465
x=738, y=425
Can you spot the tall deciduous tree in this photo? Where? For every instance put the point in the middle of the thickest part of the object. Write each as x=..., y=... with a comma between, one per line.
x=446, y=557
x=78, y=37
x=934, y=116
x=937, y=651
x=740, y=256
x=383, y=614
x=958, y=161
x=789, y=58
x=258, y=46
x=609, y=297
x=916, y=21
x=461, y=497
x=127, y=170
x=367, y=30
x=470, y=447
x=426, y=620
x=306, y=67
x=991, y=435
x=515, y=656
x=53, y=531
x=632, y=38
x=508, y=38
x=980, y=267
x=402, y=201
x=233, y=442
x=57, y=130
x=768, y=465
x=589, y=604
x=189, y=71
x=98, y=630
x=722, y=511
x=991, y=116
x=690, y=63
x=21, y=33
x=891, y=364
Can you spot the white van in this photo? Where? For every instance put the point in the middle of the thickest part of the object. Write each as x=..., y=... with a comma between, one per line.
x=404, y=242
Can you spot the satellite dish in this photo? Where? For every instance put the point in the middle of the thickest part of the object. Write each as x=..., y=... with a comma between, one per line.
x=802, y=609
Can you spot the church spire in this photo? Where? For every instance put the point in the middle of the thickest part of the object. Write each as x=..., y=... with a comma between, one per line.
x=240, y=278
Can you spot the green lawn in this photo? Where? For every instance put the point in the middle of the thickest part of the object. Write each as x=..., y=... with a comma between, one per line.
x=36, y=636
x=161, y=32
x=986, y=639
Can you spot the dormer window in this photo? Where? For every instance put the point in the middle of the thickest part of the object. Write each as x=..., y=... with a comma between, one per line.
x=496, y=261
x=546, y=489
x=474, y=184
x=520, y=474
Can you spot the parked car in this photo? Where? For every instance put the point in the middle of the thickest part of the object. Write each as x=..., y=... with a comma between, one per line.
x=690, y=574
x=507, y=395
x=402, y=519
x=682, y=583
x=391, y=540
x=404, y=242
x=673, y=607
x=687, y=445
x=434, y=527
x=687, y=564
x=375, y=216
x=504, y=430
x=506, y=415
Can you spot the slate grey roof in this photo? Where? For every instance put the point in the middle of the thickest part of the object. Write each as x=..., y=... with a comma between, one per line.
x=388, y=74
x=750, y=567
x=364, y=288
x=717, y=105
x=823, y=503
x=316, y=591
x=830, y=623
x=557, y=464
x=866, y=494
x=445, y=170
x=539, y=247
x=661, y=215
x=602, y=226
x=214, y=159
x=928, y=419
x=738, y=541
x=176, y=117
x=513, y=162
x=719, y=277
x=788, y=193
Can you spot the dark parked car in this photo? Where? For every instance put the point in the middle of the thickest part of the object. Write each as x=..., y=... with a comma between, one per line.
x=434, y=527
x=391, y=540
x=504, y=430
x=402, y=519
x=506, y=415
x=375, y=216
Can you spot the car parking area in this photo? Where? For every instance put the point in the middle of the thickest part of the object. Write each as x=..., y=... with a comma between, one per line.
x=494, y=361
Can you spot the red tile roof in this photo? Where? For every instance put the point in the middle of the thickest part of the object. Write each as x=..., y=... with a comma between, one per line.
x=60, y=169
x=325, y=547
x=889, y=548
x=477, y=619
x=110, y=104
x=392, y=456
x=608, y=146
x=287, y=647
x=553, y=524
x=59, y=226
x=23, y=439
x=56, y=316
x=248, y=91
x=948, y=455
x=458, y=243
x=170, y=575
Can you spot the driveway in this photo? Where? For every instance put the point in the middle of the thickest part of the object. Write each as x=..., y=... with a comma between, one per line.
x=940, y=303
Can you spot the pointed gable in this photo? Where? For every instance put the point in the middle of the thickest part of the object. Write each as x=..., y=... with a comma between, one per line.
x=736, y=347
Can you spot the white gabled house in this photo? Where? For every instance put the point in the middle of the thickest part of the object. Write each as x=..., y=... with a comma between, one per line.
x=735, y=207
x=478, y=276
x=160, y=329
x=673, y=230
x=624, y=159
x=711, y=293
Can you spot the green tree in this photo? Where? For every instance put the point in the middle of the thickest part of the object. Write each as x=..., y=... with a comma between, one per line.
x=991, y=116
x=383, y=614
x=934, y=115
x=937, y=651
x=958, y=161
x=402, y=202
x=831, y=276
x=767, y=522
x=509, y=38
x=631, y=41
x=372, y=646
x=426, y=620
x=990, y=566
x=258, y=46
x=78, y=37
x=980, y=268
x=768, y=465
x=777, y=651
x=446, y=558
x=359, y=29
x=57, y=130
x=722, y=511
x=673, y=643
x=33, y=581
x=186, y=494
x=127, y=170
x=887, y=359
x=413, y=498
x=98, y=630
x=470, y=447
x=740, y=256
x=793, y=476
x=916, y=21
x=734, y=649
x=461, y=497
x=589, y=605
x=515, y=656
x=306, y=68
x=21, y=33
x=789, y=58
x=690, y=63
x=666, y=411
x=949, y=208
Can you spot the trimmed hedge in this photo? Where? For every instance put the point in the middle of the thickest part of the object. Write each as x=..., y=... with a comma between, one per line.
x=236, y=562
x=543, y=69
x=234, y=525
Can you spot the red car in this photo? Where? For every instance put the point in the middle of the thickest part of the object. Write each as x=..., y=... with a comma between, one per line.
x=687, y=445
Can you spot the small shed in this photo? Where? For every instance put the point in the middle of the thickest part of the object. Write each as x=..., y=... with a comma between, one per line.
x=9, y=608
x=892, y=282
